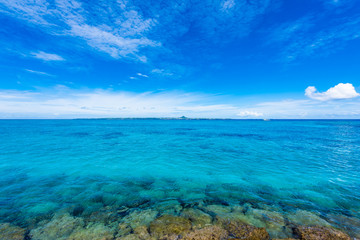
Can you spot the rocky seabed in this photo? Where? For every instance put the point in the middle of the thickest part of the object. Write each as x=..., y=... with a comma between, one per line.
x=172, y=220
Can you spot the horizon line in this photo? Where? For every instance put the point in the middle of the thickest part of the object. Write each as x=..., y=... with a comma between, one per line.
x=186, y=118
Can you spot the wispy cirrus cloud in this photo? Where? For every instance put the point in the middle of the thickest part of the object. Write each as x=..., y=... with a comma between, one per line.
x=162, y=72
x=39, y=72
x=142, y=75
x=216, y=22
x=119, y=35
x=227, y=4
x=132, y=29
x=314, y=34
x=47, y=56
x=114, y=45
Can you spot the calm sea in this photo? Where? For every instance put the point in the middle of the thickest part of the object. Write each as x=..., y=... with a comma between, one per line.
x=47, y=166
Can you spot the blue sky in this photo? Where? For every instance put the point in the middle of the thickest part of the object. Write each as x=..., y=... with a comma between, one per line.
x=199, y=58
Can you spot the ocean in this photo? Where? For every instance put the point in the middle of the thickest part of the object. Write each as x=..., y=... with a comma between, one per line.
x=274, y=174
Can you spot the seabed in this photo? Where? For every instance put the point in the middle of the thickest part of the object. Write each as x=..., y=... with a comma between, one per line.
x=172, y=218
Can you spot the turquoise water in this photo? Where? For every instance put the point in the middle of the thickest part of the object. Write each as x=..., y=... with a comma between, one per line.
x=47, y=166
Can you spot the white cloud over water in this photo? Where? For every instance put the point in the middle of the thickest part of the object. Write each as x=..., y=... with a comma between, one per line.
x=63, y=102
x=249, y=114
x=340, y=91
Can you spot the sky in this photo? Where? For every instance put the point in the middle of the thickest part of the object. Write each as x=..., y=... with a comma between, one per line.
x=196, y=58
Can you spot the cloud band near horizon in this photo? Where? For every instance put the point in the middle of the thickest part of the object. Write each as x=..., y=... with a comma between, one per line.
x=63, y=102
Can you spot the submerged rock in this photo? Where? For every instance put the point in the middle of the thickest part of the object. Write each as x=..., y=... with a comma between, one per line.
x=137, y=202
x=241, y=230
x=267, y=216
x=139, y=218
x=218, y=209
x=123, y=229
x=94, y=231
x=43, y=208
x=129, y=237
x=244, y=214
x=275, y=223
x=320, y=233
x=207, y=233
x=172, y=207
x=60, y=227
x=198, y=218
x=306, y=218
x=283, y=239
x=77, y=210
x=168, y=225
x=240, y=217
x=350, y=224
x=142, y=232
x=103, y=216
x=11, y=232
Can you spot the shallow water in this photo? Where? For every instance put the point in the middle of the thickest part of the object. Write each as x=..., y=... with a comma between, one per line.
x=49, y=166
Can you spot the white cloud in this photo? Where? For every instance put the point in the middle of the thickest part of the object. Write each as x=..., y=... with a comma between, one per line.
x=227, y=4
x=47, y=56
x=120, y=31
x=340, y=91
x=27, y=9
x=38, y=72
x=111, y=43
x=250, y=114
x=162, y=72
x=63, y=102
x=303, y=37
x=308, y=109
x=142, y=75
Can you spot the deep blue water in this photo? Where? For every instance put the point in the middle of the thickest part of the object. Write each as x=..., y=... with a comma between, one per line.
x=50, y=165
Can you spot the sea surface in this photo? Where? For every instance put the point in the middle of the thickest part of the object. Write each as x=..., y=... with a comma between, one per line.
x=307, y=172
